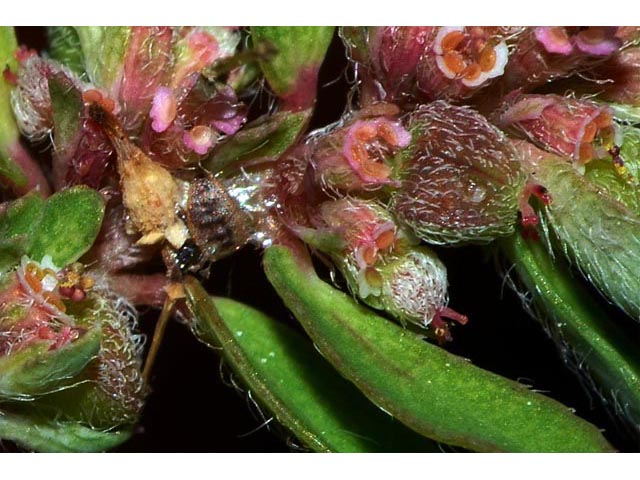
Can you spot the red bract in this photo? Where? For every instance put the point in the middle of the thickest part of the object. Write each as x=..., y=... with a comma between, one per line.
x=618, y=79
x=395, y=53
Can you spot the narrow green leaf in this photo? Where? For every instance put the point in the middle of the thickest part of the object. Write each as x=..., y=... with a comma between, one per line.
x=70, y=224
x=287, y=376
x=64, y=46
x=35, y=370
x=437, y=394
x=580, y=326
x=265, y=138
x=46, y=435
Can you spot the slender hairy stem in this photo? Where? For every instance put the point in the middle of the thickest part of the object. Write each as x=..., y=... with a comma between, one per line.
x=158, y=334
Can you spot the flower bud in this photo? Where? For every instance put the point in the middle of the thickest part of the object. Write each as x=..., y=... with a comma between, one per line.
x=544, y=54
x=31, y=101
x=62, y=335
x=411, y=64
x=575, y=128
x=381, y=262
x=459, y=180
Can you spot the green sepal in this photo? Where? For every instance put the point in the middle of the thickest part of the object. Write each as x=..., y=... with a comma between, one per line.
x=600, y=234
x=41, y=434
x=35, y=370
x=439, y=395
x=286, y=375
x=67, y=105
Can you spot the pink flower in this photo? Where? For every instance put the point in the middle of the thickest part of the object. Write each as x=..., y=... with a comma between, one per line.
x=566, y=126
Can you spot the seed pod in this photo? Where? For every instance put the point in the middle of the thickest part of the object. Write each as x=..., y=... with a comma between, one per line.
x=69, y=345
x=381, y=264
x=112, y=391
x=459, y=180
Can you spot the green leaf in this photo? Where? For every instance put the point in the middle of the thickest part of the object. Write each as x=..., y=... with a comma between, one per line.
x=266, y=138
x=35, y=370
x=437, y=394
x=287, y=376
x=70, y=224
x=580, y=326
x=293, y=70
x=18, y=226
x=46, y=435
x=64, y=46
x=8, y=130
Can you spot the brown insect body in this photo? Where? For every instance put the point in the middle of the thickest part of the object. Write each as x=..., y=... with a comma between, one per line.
x=217, y=225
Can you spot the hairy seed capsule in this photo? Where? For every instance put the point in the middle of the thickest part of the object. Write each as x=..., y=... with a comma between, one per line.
x=460, y=178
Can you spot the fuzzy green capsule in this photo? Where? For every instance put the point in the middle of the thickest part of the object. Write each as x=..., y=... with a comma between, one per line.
x=437, y=394
x=460, y=178
x=286, y=375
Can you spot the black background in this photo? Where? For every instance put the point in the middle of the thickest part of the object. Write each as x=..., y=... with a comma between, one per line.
x=191, y=409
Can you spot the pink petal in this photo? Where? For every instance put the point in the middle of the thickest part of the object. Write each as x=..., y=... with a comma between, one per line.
x=163, y=109
x=554, y=39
